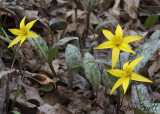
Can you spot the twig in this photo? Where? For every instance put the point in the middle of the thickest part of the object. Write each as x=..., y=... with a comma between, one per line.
x=3, y=38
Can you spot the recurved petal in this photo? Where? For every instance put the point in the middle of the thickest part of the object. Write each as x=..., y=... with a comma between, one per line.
x=22, y=23
x=15, y=31
x=108, y=34
x=125, y=47
x=133, y=64
x=117, y=84
x=22, y=39
x=105, y=45
x=125, y=65
x=119, y=32
x=32, y=35
x=15, y=41
x=115, y=55
x=138, y=77
x=129, y=39
x=30, y=24
x=116, y=72
x=125, y=84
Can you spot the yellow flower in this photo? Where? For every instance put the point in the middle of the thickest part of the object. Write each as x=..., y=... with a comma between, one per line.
x=117, y=42
x=23, y=32
x=127, y=74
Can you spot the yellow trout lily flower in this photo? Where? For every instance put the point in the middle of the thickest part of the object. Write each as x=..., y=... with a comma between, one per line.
x=23, y=32
x=127, y=74
x=117, y=42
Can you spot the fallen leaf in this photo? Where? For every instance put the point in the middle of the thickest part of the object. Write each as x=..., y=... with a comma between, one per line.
x=32, y=95
x=41, y=78
x=56, y=109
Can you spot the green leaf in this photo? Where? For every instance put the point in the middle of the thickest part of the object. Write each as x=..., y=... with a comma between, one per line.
x=103, y=24
x=46, y=88
x=143, y=96
x=40, y=46
x=15, y=112
x=155, y=36
x=92, y=5
x=137, y=111
x=147, y=50
x=64, y=41
x=52, y=53
x=151, y=20
x=92, y=70
x=73, y=59
x=106, y=80
x=6, y=35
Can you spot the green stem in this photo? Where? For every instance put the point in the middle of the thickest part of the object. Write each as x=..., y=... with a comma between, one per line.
x=138, y=94
x=119, y=93
x=50, y=65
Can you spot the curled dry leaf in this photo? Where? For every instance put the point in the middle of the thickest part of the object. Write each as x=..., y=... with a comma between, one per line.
x=41, y=78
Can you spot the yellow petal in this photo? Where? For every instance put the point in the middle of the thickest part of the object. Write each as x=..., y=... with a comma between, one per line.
x=117, y=84
x=15, y=31
x=129, y=39
x=22, y=23
x=22, y=40
x=125, y=84
x=138, y=77
x=125, y=47
x=105, y=45
x=116, y=72
x=32, y=35
x=30, y=24
x=119, y=32
x=125, y=65
x=15, y=41
x=115, y=55
x=108, y=34
x=133, y=64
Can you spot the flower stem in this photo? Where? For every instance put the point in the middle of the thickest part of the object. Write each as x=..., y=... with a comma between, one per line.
x=138, y=94
x=119, y=93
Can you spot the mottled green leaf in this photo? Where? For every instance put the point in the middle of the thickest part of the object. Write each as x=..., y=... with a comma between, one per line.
x=141, y=100
x=155, y=36
x=147, y=50
x=64, y=41
x=103, y=24
x=58, y=23
x=106, y=80
x=91, y=70
x=73, y=59
x=40, y=46
x=47, y=87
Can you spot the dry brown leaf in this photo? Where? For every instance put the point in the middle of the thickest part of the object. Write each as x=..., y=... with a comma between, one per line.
x=130, y=6
x=22, y=104
x=56, y=109
x=32, y=95
x=41, y=78
x=154, y=67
